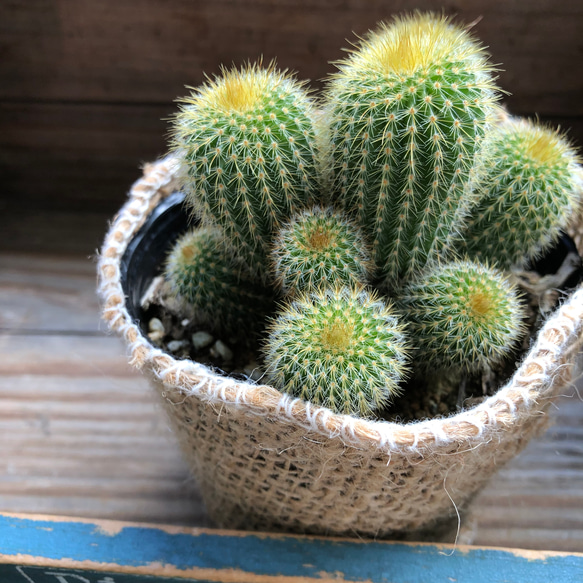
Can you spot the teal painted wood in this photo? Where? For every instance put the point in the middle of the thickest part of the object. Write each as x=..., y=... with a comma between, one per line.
x=27, y=574
x=76, y=551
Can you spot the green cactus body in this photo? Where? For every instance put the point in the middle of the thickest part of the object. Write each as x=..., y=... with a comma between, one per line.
x=248, y=149
x=530, y=189
x=319, y=247
x=200, y=270
x=462, y=315
x=408, y=110
x=341, y=348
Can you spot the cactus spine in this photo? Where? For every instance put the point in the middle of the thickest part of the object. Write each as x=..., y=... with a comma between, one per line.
x=529, y=191
x=249, y=149
x=341, y=348
x=462, y=315
x=408, y=110
x=200, y=270
x=319, y=247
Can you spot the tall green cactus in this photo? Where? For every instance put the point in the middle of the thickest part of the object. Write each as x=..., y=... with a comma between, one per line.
x=462, y=315
x=530, y=188
x=200, y=270
x=319, y=247
x=341, y=348
x=408, y=110
x=248, y=146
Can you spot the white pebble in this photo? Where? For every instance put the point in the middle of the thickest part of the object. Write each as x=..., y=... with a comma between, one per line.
x=185, y=322
x=156, y=336
x=176, y=345
x=201, y=340
x=155, y=325
x=221, y=349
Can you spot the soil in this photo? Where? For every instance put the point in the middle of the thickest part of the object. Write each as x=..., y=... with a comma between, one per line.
x=172, y=325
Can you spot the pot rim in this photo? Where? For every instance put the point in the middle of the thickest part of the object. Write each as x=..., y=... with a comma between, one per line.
x=530, y=389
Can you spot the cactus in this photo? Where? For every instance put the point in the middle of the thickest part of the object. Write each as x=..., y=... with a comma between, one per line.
x=248, y=151
x=462, y=315
x=529, y=192
x=319, y=247
x=341, y=348
x=409, y=154
x=200, y=270
x=408, y=110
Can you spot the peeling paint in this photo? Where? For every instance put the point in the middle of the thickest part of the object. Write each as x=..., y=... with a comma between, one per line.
x=220, y=556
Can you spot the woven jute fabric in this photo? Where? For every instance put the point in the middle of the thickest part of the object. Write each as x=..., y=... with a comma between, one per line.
x=266, y=461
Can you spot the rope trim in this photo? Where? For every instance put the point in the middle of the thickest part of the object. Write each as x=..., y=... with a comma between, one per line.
x=532, y=385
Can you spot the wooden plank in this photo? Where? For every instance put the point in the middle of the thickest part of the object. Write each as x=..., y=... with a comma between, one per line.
x=92, y=154
x=538, y=496
x=66, y=170
x=95, y=444
x=82, y=433
x=48, y=294
x=82, y=357
x=61, y=141
x=146, y=51
x=41, y=549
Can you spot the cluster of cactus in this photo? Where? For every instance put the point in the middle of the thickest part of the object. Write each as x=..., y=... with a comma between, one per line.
x=404, y=180
x=249, y=149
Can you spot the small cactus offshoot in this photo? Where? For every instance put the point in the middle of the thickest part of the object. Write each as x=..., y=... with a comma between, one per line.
x=319, y=247
x=249, y=155
x=530, y=189
x=408, y=110
x=200, y=270
x=462, y=315
x=340, y=348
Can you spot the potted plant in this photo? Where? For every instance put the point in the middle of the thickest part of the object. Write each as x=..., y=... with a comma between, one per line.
x=379, y=235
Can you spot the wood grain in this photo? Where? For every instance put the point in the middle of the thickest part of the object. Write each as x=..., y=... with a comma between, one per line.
x=81, y=433
x=84, y=86
x=43, y=294
x=145, y=51
x=65, y=169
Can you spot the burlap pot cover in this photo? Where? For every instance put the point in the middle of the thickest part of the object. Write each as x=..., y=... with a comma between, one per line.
x=266, y=461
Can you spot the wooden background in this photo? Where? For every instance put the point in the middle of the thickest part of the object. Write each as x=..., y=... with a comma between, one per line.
x=85, y=85
x=84, y=88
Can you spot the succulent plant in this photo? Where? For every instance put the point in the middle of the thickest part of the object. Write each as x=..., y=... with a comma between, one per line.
x=411, y=153
x=319, y=247
x=342, y=348
x=200, y=269
x=248, y=149
x=530, y=189
x=408, y=110
x=462, y=315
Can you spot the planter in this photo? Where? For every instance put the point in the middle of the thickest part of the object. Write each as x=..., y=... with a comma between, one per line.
x=266, y=461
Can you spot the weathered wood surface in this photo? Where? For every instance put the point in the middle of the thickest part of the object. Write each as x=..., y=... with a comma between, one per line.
x=36, y=549
x=145, y=51
x=84, y=86
x=82, y=434
x=66, y=169
x=59, y=189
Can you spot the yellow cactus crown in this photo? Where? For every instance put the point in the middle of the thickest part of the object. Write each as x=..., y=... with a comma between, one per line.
x=413, y=42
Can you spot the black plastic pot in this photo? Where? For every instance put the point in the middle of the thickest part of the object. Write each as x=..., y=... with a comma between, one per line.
x=144, y=256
